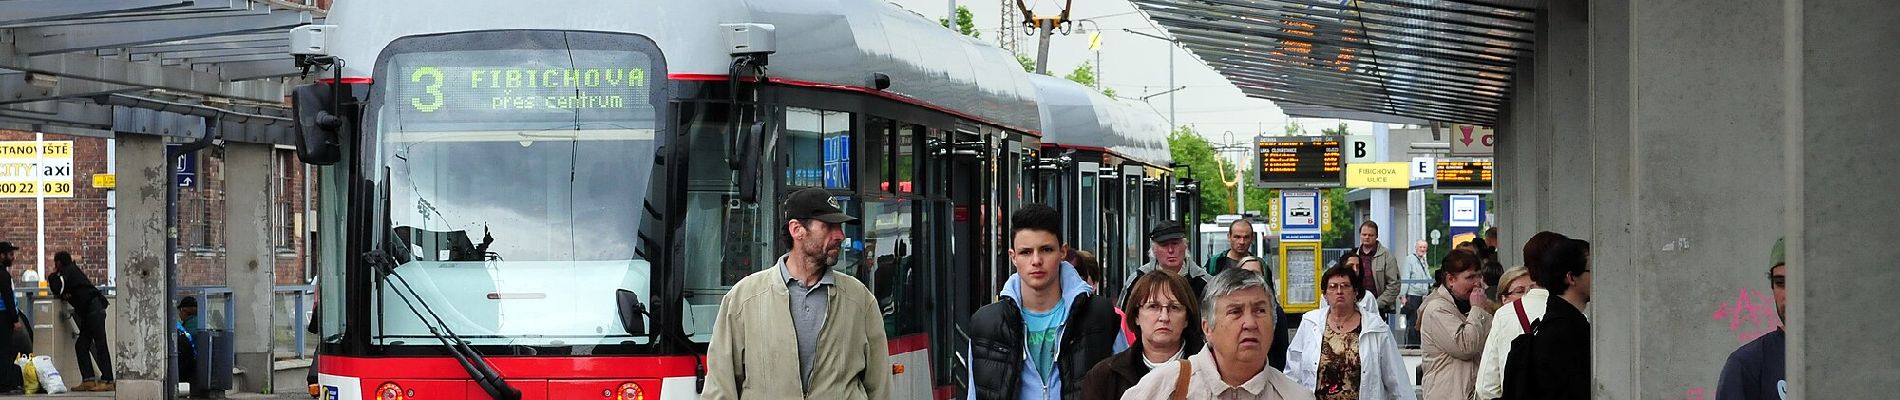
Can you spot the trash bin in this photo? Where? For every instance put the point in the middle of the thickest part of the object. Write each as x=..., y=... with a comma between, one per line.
x=216, y=354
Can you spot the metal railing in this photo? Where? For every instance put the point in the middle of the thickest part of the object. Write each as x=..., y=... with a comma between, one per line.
x=286, y=332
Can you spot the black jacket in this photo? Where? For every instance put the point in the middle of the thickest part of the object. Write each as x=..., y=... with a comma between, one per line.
x=71, y=285
x=1561, y=356
x=1116, y=374
x=997, y=346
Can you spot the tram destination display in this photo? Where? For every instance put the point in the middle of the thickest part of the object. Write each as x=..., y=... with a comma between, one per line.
x=1464, y=176
x=519, y=85
x=1298, y=162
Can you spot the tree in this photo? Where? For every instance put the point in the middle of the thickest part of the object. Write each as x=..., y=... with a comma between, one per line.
x=966, y=23
x=1340, y=131
x=1085, y=75
x=1340, y=231
x=1029, y=64
x=1293, y=128
x=1188, y=147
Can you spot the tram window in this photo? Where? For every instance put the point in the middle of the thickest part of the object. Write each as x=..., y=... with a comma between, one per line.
x=890, y=265
x=820, y=147
x=877, y=154
x=717, y=256
x=906, y=143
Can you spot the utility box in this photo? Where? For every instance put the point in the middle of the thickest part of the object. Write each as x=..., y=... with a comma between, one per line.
x=216, y=353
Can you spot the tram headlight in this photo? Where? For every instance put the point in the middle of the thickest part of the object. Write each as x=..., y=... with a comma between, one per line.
x=629, y=391
x=392, y=391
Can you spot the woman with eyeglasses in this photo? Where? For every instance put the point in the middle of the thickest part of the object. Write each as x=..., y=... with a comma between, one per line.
x=1516, y=282
x=1344, y=350
x=1164, y=313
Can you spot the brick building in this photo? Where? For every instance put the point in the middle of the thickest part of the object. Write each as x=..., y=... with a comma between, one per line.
x=82, y=224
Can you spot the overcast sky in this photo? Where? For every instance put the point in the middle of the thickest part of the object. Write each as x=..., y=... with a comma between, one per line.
x=1136, y=66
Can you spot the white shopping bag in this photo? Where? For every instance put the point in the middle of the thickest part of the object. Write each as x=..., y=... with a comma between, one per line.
x=49, y=375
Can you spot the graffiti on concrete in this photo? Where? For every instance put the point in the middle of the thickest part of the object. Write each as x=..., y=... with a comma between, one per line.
x=1750, y=315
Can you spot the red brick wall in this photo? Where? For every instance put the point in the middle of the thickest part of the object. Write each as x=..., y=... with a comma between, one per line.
x=78, y=224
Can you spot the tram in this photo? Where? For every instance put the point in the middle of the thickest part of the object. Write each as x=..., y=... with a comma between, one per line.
x=542, y=201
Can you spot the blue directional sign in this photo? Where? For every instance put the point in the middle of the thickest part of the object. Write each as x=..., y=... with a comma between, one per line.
x=187, y=173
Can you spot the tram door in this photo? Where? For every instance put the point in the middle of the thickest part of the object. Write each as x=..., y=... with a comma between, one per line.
x=956, y=222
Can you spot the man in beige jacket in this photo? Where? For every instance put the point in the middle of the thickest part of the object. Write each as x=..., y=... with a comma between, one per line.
x=1238, y=316
x=799, y=329
x=1454, y=322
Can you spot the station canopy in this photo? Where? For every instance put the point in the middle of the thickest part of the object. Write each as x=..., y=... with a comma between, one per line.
x=1399, y=61
x=94, y=67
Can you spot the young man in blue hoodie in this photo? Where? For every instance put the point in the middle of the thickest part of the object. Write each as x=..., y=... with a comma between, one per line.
x=1049, y=327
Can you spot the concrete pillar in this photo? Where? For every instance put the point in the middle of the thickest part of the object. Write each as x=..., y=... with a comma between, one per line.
x=1845, y=181
x=1564, y=204
x=1687, y=123
x=1516, y=184
x=1611, y=133
x=138, y=349
x=250, y=263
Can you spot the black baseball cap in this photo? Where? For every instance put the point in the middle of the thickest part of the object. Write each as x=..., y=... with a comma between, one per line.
x=1167, y=230
x=815, y=204
x=7, y=246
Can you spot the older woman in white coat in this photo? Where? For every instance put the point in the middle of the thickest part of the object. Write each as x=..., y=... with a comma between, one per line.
x=1344, y=350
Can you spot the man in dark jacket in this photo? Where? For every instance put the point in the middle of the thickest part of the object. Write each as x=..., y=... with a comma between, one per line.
x=10, y=382
x=70, y=284
x=1758, y=370
x=1040, y=339
x=1560, y=358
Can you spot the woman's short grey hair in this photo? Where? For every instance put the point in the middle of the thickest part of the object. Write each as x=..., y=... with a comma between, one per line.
x=1230, y=281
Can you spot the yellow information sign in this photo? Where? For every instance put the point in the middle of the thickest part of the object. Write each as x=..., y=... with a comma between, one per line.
x=29, y=169
x=1300, y=268
x=1380, y=175
x=105, y=181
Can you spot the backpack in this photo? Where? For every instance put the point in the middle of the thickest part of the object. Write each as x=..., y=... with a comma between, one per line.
x=1520, y=381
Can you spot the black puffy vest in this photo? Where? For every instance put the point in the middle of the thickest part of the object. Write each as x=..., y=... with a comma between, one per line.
x=997, y=346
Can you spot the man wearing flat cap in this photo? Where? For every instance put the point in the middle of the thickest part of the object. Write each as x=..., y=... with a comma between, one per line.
x=1168, y=240
x=799, y=329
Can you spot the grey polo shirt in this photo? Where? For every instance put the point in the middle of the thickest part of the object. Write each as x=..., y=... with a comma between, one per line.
x=809, y=306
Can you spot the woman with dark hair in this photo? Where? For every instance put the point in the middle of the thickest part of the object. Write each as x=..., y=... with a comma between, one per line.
x=1166, y=316
x=1455, y=319
x=1344, y=350
x=70, y=284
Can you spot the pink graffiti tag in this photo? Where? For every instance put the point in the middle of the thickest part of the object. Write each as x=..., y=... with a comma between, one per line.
x=1694, y=394
x=1750, y=316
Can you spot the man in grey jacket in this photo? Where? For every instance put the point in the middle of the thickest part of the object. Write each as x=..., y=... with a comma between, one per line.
x=1169, y=242
x=1382, y=278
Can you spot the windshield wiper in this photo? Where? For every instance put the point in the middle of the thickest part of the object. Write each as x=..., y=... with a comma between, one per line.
x=471, y=361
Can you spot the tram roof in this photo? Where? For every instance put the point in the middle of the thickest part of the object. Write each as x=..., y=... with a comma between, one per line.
x=824, y=42
x=1078, y=116
x=1436, y=60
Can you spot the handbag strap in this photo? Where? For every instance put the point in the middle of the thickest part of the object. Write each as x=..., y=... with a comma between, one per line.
x=1181, y=380
x=1522, y=320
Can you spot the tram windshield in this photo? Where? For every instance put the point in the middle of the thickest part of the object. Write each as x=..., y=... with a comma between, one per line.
x=511, y=175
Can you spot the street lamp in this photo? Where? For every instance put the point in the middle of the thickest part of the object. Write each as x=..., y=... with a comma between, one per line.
x=1098, y=51
x=1172, y=126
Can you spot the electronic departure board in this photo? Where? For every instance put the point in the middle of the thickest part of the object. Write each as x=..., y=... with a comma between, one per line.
x=1298, y=162
x=1464, y=176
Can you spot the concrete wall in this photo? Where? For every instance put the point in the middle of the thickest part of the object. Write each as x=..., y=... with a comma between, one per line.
x=1846, y=178
x=1682, y=138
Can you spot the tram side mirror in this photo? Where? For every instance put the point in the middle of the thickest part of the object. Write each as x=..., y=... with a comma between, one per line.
x=317, y=124
x=751, y=151
x=632, y=313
